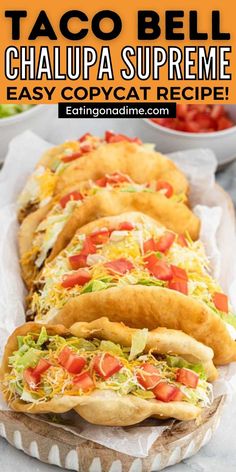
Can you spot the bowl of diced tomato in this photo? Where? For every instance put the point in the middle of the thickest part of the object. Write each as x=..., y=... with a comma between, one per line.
x=205, y=126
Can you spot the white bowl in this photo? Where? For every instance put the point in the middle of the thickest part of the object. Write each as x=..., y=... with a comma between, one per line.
x=223, y=143
x=36, y=119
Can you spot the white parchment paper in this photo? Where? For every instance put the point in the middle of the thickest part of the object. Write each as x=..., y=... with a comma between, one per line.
x=217, y=232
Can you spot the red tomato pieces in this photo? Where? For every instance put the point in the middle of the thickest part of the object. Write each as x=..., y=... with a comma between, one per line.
x=150, y=245
x=148, y=376
x=224, y=123
x=187, y=377
x=166, y=392
x=158, y=268
x=100, y=237
x=71, y=157
x=88, y=247
x=84, y=137
x=179, y=273
x=75, y=364
x=102, y=182
x=168, y=189
x=83, y=381
x=165, y=242
x=119, y=266
x=78, y=261
x=42, y=366
x=71, y=361
x=221, y=302
x=111, y=137
x=106, y=365
x=197, y=119
x=64, y=355
x=179, y=286
x=31, y=378
x=86, y=147
x=70, y=196
x=181, y=240
x=125, y=226
x=81, y=277
x=112, y=179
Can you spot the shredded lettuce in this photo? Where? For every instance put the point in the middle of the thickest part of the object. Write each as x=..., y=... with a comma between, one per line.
x=94, y=286
x=43, y=337
x=150, y=282
x=139, y=341
x=21, y=360
x=109, y=346
x=176, y=361
x=145, y=394
x=58, y=381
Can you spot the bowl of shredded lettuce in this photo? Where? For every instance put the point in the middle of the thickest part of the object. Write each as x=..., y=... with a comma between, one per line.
x=6, y=111
x=17, y=118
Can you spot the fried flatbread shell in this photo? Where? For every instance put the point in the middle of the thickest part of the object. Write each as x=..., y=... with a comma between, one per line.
x=106, y=407
x=159, y=340
x=130, y=158
x=149, y=307
x=141, y=164
x=174, y=216
x=142, y=306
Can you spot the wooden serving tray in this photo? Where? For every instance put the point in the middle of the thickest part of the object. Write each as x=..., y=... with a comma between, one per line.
x=56, y=446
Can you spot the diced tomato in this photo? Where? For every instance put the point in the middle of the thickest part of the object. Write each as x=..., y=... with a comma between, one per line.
x=162, y=185
x=125, y=226
x=88, y=247
x=116, y=178
x=106, y=365
x=148, y=376
x=78, y=261
x=205, y=121
x=178, y=396
x=84, y=137
x=221, y=302
x=71, y=157
x=158, y=268
x=119, y=266
x=81, y=277
x=100, y=237
x=111, y=137
x=179, y=273
x=74, y=363
x=83, y=381
x=64, y=355
x=150, y=245
x=117, y=138
x=179, y=285
x=71, y=361
x=108, y=135
x=86, y=147
x=102, y=182
x=217, y=111
x=112, y=179
x=224, y=123
x=187, y=377
x=151, y=261
x=31, y=378
x=137, y=141
x=41, y=367
x=70, y=196
x=165, y=242
x=197, y=119
x=190, y=127
x=181, y=110
x=166, y=392
x=181, y=240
